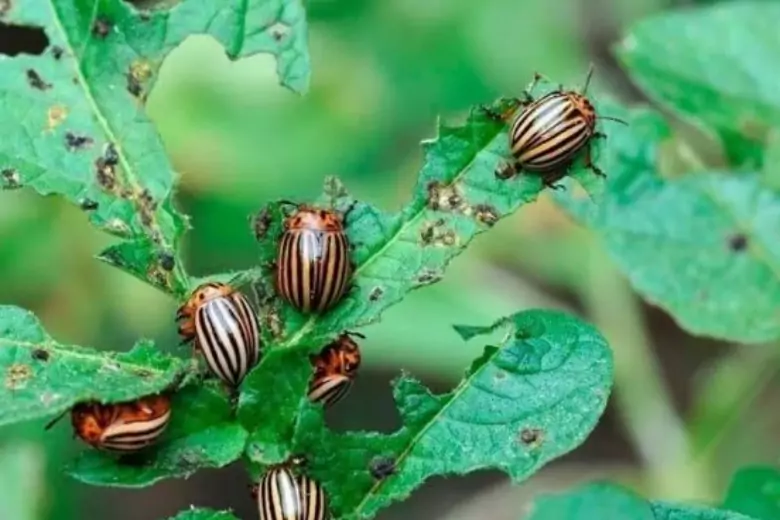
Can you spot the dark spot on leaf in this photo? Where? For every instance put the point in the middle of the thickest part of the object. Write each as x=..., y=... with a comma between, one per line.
x=36, y=81
x=442, y=197
x=500, y=375
x=142, y=372
x=428, y=277
x=17, y=375
x=432, y=234
x=376, y=293
x=88, y=204
x=57, y=52
x=157, y=276
x=147, y=206
x=101, y=27
x=279, y=31
x=529, y=436
x=486, y=214
x=738, y=242
x=11, y=179
x=167, y=261
x=381, y=467
x=105, y=168
x=261, y=222
x=77, y=142
x=137, y=74
x=40, y=354
x=21, y=39
x=126, y=193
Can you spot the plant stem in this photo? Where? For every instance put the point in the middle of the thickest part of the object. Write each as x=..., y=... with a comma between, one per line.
x=641, y=396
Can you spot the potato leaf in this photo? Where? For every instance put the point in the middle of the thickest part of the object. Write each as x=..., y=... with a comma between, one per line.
x=678, y=58
x=80, y=130
x=41, y=377
x=534, y=397
x=702, y=246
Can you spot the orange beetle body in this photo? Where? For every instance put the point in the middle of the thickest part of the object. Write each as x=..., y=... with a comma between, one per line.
x=313, y=268
x=335, y=369
x=122, y=427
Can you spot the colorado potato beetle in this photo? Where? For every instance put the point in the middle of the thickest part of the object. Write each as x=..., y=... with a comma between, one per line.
x=548, y=134
x=225, y=329
x=335, y=368
x=313, y=267
x=283, y=495
x=121, y=427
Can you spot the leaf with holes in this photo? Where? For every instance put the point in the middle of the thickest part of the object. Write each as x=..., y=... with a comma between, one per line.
x=678, y=58
x=204, y=514
x=703, y=246
x=202, y=434
x=755, y=491
x=41, y=377
x=532, y=398
x=80, y=130
x=457, y=197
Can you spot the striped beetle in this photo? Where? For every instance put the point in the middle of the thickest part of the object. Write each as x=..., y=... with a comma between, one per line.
x=225, y=329
x=313, y=266
x=125, y=427
x=548, y=134
x=335, y=368
x=282, y=494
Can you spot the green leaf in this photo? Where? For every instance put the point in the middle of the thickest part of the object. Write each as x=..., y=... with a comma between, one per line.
x=270, y=403
x=702, y=246
x=202, y=434
x=600, y=500
x=204, y=514
x=456, y=198
x=41, y=377
x=80, y=129
x=533, y=398
x=755, y=491
x=670, y=511
x=678, y=58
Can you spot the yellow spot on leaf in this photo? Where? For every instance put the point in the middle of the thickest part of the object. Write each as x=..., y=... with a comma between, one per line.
x=17, y=375
x=56, y=116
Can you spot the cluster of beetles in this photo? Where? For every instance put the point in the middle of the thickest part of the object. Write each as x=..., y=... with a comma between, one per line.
x=313, y=273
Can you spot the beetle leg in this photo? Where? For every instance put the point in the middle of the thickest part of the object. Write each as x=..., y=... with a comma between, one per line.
x=599, y=135
x=589, y=163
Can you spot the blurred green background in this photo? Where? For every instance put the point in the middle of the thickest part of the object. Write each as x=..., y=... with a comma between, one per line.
x=685, y=411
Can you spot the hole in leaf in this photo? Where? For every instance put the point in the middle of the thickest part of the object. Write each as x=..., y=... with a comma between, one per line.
x=738, y=242
x=22, y=39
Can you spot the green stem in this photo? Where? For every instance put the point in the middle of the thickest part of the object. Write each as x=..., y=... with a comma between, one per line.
x=641, y=396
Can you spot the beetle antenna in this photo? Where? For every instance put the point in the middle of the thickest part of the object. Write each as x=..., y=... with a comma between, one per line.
x=55, y=420
x=613, y=119
x=358, y=334
x=587, y=78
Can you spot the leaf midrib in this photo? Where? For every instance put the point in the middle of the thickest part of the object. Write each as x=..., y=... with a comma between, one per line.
x=452, y=397
x=130, y=174
x=400, y=232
